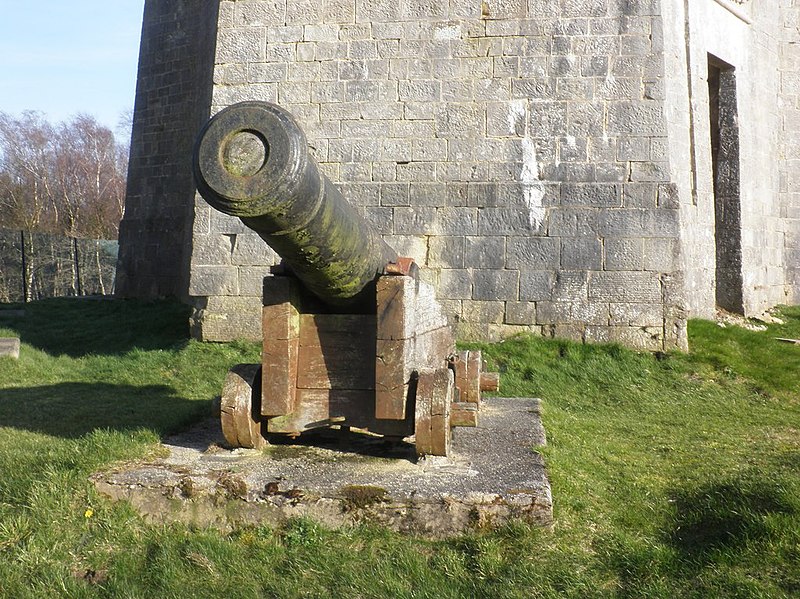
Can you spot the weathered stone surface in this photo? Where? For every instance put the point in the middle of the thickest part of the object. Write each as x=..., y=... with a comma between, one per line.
x=494, y=476
x=9, y=347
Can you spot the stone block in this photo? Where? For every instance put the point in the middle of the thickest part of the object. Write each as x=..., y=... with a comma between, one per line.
x=569, y=286
x=636, y=315
x=535, y=253
x=602, y=149
x=668, y=196
x=420, y=91
x=504, y=9
x=301, y=12
x=447, y=252
x=484, y=312
x=242, y=45
x=213, y=280
x=212, y=250
x=416, y=171
x=572, y=149
x=411, y=246
x=625, y=287
x=641, y=338
x=624, y=254
x=633, y=148
x=455, y=284
x=639, y=223
x=454, y=220
x=595, y=195
x=636, y=118
x=586, y=119
x=251, y=280
x=520, y=313
x=635, y=45
x=495, y=284
x=9, y=347
x=255, y=14
x=219, y=318
x=636, y=7
x=338, y=11
x=516, y=222
x=571, y=331
x=429, y=150
x=649, y=171
x=660, y=255
x=581, y=253
x=380, y=218
x=574, y=222
x=536, y=285
x=485, y=252
x=639, y=195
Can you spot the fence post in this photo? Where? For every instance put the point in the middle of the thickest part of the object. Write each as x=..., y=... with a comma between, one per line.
x=24, y=267
x=79, y=285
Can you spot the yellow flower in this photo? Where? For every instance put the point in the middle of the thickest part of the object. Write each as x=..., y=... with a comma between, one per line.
x=88, y=513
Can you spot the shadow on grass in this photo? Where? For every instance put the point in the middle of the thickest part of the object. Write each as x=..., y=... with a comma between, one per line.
x=81, y=326
x=71, y=410
x=726, y=517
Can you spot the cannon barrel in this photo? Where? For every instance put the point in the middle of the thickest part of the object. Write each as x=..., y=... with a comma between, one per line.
x=251, y=160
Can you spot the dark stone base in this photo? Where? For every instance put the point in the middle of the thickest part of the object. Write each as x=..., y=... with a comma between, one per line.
x=342, y=478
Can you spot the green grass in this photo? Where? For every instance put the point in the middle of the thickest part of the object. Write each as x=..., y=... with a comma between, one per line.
x=673, y=475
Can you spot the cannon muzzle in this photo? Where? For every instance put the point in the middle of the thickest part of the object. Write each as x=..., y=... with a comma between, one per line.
x=251, y=160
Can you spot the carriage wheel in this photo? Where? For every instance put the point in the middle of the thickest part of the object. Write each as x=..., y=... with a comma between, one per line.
x=435, y=392
x=241, y=407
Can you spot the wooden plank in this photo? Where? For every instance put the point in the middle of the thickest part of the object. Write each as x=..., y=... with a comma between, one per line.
x=325, y=407
x=280, y=350
x=434, y=397
x=490, y=381
x=459, y=363
x=433, y=348
x=279, y=377
x=441, y=433
x=342, y=367
x=237, y=414
x=280, y=322
x=337, y=330
x=422, y=425
x=395, y=307
x=474, y=367
x=463, y=413
x=393, y=370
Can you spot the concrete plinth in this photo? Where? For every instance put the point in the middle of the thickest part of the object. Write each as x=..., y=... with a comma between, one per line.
x=342, y=478
x=9, y=347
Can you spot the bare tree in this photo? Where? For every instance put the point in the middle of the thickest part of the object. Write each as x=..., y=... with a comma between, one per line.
x=26, y=147
x=67, y=179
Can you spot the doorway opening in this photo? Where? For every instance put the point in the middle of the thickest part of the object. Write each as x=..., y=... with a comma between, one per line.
x=724, y=125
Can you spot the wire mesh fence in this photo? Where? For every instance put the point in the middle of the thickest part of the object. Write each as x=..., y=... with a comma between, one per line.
x=38, y=265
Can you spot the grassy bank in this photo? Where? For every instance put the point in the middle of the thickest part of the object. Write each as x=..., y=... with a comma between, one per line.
x=673, y=475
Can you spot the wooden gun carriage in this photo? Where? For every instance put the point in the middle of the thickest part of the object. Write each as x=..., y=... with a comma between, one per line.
x=351, y=336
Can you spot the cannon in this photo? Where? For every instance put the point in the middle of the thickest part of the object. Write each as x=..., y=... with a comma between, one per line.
x=351, y=336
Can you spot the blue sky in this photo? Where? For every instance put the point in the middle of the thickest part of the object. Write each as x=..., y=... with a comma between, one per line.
x=63, y=57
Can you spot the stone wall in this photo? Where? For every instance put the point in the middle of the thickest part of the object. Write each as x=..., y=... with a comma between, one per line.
x=515, y=149
x=746, y=39
x=173, y=96
x=548, y=162
x=789, y=133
